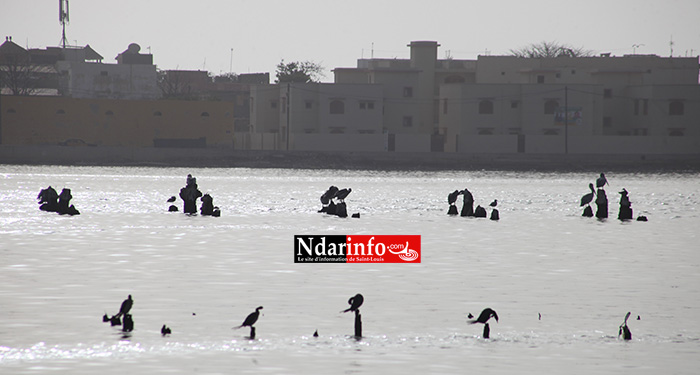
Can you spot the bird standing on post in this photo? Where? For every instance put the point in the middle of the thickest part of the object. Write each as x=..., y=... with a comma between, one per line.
x=126, y=306
x=251, y=318
x=601, y=181
x=485, y=316
x=588, y=198
x=355, y=302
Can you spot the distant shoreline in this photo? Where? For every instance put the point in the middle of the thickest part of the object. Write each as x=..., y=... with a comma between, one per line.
x=384, y=161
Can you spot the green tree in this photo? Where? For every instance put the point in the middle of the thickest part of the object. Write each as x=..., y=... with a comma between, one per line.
x=299, y=72
x=550, y=50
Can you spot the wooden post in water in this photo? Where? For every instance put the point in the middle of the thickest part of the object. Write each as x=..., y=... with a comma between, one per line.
x=252, y=333
x=358, y=324
x=487, y=331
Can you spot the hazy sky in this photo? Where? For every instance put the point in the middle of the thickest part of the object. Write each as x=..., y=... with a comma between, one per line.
x=200, y=34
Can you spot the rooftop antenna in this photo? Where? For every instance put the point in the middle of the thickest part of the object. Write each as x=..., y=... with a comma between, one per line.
x=63, y=19
x=372, y=55
x=634, y=48
x=671, y=45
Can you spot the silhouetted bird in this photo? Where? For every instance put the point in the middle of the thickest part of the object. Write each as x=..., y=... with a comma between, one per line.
x=316, y=333
x=105, y=318
x=329, y=194
x=470, y=316
x=601, y=181
x=494, y=203
x=468, y=197
x=624, y=330
x=251, y=318
x=452, y=197
x=485, y=316
x=126, y=306
x=638, y=317
x=171, y=199
x=341, y=194
x=539, y=316
x=165, y=330
x=355, y=302
x=588, y=198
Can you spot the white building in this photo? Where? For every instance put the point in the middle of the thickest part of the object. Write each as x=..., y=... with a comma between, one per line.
x=133, y=77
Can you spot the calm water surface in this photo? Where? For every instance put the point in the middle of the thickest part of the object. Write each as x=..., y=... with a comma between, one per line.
x=203, y=275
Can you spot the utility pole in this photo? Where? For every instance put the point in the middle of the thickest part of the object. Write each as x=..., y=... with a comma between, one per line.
x=566, y=119
x=288, y=108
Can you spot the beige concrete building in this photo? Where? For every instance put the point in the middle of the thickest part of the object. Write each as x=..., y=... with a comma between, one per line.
x=54, y=120
x=504, y=104
x=629, y=104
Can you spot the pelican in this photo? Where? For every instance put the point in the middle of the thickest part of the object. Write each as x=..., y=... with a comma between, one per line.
x=588, y=198
x=355, y=302
x=330, y=193
x=485, y=316
x=601, y=181
x=341, y=194
x=126, y=307
x=452, y=197
x=251, y=318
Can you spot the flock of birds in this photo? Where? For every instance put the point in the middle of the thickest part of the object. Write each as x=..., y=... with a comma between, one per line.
x=355, y=303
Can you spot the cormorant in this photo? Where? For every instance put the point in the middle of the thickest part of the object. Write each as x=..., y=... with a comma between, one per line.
x=485, y=316
x=165, y=330
x=251, y=318
x=494, y=203
x=126, y=306
x=355, y=302
x=588, y=198
x=342, y=193
x=601, y=181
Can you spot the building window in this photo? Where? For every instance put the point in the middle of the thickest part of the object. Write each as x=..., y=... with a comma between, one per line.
x=273, y=104
x=607, y=122
x=103, y=73
x=370, y=105
x=205, y=114
x=640, y=131
x=337, y=107
x=636, y=107
x=514, y=104
x=407, y=121
x=675, y=132
x=308, y=104
x=11, y=110
x=607, y=93
x=485, y=131
x=486, y=107
x=60, y=112
x=444, y=106
x=675, y=108
x=540, y=79
x=157, y=113
x=363, y=105
x=109, y=113
x=550, y=107
x=408, y=92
